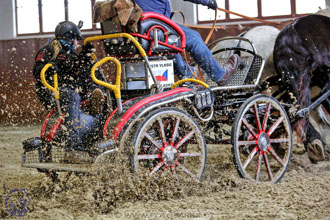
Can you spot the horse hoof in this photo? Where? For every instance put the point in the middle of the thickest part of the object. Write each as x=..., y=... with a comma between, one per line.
x=315, y=150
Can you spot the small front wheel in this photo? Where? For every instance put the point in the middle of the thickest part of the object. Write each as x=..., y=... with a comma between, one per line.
x=169, y=139
x=262, y=139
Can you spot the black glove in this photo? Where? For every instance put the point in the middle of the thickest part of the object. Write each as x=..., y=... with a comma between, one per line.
x=87, y=48
x=85, y=55
x=212, y=4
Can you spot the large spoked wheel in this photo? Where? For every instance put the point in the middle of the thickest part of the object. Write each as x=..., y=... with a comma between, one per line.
x=262, y=139
x=169, y=140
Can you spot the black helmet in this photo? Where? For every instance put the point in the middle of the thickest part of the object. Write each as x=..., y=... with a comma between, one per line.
x=68, y=31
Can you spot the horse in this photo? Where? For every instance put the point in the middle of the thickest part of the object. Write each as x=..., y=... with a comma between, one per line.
x=263, y=38
x=302, y=59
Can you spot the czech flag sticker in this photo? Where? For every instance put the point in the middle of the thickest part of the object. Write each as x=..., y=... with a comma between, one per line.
x=164, y=72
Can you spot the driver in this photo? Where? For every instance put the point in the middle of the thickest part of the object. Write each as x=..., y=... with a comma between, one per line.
x=194, y=44
x=74, y=83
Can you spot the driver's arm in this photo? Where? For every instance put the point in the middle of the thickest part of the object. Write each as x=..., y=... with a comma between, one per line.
x=209, y=3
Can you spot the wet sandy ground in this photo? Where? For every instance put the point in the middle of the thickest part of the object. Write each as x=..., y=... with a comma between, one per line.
x=303, y=193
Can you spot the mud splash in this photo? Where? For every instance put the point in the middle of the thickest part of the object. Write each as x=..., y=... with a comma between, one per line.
x=108, y=191
x=116, y=193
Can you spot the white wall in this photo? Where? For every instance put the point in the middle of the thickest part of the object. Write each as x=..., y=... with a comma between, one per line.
x=7, y=21
x=188, y=9
x=7, y=12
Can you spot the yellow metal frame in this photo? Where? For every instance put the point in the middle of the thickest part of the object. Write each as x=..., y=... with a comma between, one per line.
x=111, y=36
x=189, y=80
x=45, y=83
x=116, y=86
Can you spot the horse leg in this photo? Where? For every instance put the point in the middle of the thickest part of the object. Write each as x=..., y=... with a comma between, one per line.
x=305, y=131
x=313, y=144
x=326, y=103
x=302, y=92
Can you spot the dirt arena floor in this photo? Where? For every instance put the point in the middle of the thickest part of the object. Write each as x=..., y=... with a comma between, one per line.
x=303, y=193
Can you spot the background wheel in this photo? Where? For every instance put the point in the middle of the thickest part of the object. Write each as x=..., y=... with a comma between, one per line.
x=169, y=139
x=262, y=139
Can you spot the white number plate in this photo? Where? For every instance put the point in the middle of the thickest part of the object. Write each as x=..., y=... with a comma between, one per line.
x=164, y=72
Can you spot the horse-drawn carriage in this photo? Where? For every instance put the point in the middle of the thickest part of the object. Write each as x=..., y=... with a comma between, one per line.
x=160, y=125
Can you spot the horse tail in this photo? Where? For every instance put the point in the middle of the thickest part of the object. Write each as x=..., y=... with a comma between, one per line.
x=292, y=63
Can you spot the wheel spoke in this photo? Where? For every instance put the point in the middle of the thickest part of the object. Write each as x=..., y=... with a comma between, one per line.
x=269, y=171
x=249, y=127
x=190, y=154
x=256, y=114
x=246, y=142
x=175, y=131
x=258, y=167
x=264, y=123
x=162, y=131
x=156, y=168
x=184, y=139
x=186, y=170
x=148, y=156
x=274, y=154
x=151, y=139
x=261, y=138
x=169, y=140
x=279, y=140
x=275, y=125
x=250, y=157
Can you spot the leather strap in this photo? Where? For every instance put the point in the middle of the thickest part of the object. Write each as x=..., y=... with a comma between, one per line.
x=213, y=27
x=247, y=17
x=203, y=26
x=186, y=59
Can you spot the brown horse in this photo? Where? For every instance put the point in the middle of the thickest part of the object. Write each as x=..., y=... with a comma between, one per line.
x=302, y=59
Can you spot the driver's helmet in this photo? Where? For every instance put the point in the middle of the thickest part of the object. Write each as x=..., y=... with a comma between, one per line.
x=68, y=31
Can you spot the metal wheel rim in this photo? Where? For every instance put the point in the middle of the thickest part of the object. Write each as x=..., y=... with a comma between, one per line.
x=265, y=160
x=186, y=154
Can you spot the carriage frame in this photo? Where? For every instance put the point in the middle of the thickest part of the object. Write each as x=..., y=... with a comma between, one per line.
x=168, y=129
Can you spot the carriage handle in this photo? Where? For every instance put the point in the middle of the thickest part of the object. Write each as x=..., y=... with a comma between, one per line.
x=189, y=80
x=234, y=38
x=135, y=42
x=54, y=89
x=110, y=36
x=116, y=87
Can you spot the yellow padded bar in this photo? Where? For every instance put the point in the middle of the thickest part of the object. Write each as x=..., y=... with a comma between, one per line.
x=116, y=87
x=44, y=82
x=189, y=80
x=111, y=36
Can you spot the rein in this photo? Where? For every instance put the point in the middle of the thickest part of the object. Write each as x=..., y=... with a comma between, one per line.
x=247, y=17
x=207, y=41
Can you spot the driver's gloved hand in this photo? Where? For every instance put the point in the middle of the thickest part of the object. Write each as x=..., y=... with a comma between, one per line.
x=85, y=55
x=87, y=48
x=212, y=4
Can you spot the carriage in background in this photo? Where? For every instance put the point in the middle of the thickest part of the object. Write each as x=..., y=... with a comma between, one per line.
x=160, y=125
